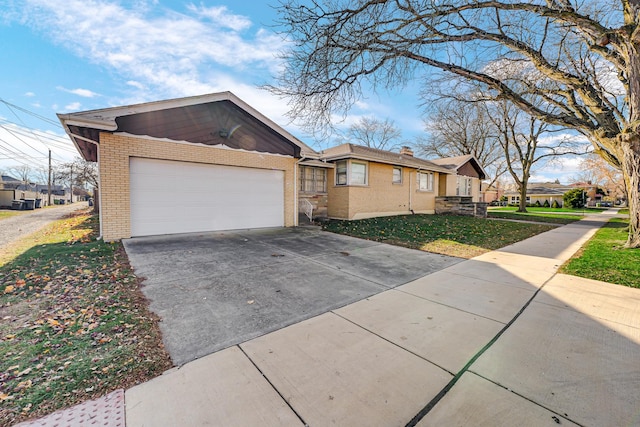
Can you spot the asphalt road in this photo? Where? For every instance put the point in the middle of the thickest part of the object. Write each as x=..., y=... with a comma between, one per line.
x=19, y=226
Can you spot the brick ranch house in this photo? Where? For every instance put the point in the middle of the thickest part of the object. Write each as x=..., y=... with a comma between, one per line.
x=212, y=162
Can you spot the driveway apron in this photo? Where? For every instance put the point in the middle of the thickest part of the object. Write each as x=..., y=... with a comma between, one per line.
x=215, y=290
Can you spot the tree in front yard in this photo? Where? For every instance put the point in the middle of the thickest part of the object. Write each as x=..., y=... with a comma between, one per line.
x=582, y=60
x=575, y=198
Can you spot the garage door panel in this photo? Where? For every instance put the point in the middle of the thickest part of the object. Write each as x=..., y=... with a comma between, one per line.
x=178, y=197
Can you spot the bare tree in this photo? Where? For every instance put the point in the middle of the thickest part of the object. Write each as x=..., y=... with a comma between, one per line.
x=457, y=128
x=79, y=173
x=24, y=173
x=375, y=133
x=597, y=171
x=578, y=62
x=519, y=135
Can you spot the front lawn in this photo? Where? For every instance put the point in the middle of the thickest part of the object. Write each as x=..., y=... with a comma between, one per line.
x=549, y=210
x=605, y=258
x=74, y=325
x=459, y=236
x=553, y=218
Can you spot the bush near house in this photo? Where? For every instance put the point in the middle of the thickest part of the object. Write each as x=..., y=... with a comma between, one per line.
x=575, y=198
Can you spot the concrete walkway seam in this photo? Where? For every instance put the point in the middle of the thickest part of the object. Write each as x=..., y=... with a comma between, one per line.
x=273, y=386
x=420, y=415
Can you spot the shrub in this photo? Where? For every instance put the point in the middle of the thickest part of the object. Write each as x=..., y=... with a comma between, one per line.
x=556, y=205
x=546, y=204
x=575, y=198
x=537, y=204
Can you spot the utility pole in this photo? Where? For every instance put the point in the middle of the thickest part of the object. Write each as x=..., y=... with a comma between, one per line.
x=71, y=185
x=49, y=182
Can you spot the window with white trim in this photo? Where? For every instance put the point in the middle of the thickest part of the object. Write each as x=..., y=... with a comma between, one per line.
x=313, y=180
x=463, y=187
x=341, y=172
x=397, y=175
x=351, y=173
x=425, y=181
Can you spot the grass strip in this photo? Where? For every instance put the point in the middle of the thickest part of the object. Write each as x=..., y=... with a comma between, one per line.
x=459, y=236
x=74, y=325
x=604, y=257
x=537, y=217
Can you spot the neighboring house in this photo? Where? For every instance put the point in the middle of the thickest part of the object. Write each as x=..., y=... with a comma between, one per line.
x=490, y=193
x=539, y=194
x=212, y=162
x=466, y=180
x=554, y=192
x=201, y=163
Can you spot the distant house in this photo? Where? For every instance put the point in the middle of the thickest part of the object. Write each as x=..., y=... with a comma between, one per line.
x=554, y=192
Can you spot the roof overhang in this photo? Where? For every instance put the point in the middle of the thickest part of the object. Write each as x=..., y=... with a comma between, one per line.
x=402, y=161
x=84, y=127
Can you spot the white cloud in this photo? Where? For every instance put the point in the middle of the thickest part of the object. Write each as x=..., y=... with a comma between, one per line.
x=221, y=16
x=30, y=94
x=74, y=106
x=85, y=93
x=170, y=51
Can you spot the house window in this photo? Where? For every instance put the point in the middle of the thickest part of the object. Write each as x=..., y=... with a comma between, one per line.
x=351, y=173
x=313, y=180
x=463, y=186
x=358, y=173
x=397, y=175
x=341, y=172
x=425, y=181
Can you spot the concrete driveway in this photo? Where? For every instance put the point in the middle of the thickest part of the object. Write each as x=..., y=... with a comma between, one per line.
x=215, y=290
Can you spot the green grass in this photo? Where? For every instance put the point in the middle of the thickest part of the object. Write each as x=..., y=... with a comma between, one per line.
x=553, y=218
x=549, y=210
x=8, y=214
x=605, y=258
x=74, y=324
x=459, y=236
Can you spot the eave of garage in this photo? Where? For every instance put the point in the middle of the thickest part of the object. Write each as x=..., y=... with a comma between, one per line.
x=84, y=127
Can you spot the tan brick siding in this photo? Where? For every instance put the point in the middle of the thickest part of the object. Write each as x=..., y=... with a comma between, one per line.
x=381, y=196
x=114, y=154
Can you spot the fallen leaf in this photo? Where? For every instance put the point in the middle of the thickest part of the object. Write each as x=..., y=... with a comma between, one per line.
x=250, y=301
x=24, y=384
x=5, y=396
x=8, y=289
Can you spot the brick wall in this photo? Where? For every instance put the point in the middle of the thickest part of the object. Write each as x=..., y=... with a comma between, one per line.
x=115, y=151
x=381, y=196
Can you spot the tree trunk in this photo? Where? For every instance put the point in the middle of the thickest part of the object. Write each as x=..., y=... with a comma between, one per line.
x=631, y=170
x=522, y=206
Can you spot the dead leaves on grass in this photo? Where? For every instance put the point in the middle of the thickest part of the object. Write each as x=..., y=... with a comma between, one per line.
x=74, y=326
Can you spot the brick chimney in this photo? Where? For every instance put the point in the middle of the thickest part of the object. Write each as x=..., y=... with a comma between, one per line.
x=406, y=150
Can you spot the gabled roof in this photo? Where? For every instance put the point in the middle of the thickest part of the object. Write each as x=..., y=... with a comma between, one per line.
x=213, y=119
x=8, y=178
x=353, y=151
x=458, y=162
x=542, y=191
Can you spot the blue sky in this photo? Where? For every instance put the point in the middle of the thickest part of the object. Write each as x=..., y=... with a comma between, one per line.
x=60, y=57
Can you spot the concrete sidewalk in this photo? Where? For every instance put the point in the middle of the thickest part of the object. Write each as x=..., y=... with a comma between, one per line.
x=498, y=340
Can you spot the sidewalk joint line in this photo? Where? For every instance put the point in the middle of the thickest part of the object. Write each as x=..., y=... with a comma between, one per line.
x=273, y=386
x=429, y=406
x=565, y=416
x=393, y=343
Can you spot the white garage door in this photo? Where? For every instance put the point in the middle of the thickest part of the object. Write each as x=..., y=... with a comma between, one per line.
x=177, y=197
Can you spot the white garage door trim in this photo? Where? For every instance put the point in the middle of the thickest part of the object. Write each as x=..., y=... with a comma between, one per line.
x=169, y=197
